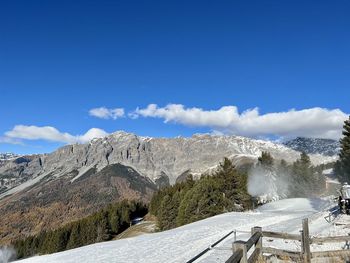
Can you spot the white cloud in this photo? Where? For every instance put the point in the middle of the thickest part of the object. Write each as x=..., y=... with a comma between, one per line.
x=10, y=140
x=48, y=133
x=104, y=113
x=313, y=122
x=93, y=133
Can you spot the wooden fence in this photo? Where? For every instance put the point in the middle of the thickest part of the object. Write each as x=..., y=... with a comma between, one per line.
x=241, y=248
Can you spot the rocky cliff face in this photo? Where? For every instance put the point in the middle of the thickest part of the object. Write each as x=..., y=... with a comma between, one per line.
x=159, y=159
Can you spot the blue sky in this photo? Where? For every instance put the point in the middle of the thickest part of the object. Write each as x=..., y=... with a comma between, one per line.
x=60, y=59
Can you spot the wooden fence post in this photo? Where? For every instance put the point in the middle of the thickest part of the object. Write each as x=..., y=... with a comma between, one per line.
x=302, y=244
x=259, y=243
x=306, y=241
x=241, y=245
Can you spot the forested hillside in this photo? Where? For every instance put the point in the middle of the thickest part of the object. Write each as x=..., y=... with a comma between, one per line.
x=185, y=202
x=101, y=226
x=191, y=200
x=227, y=189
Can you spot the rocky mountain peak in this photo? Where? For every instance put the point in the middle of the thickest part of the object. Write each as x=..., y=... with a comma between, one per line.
x=8, y=156
x=325, y=147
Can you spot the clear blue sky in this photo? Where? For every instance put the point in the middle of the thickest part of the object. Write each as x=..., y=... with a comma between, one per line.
x=59, y=59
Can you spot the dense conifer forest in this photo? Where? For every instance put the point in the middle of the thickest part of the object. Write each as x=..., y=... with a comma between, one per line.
x=189, y=201
x=226, y=190
x=342, y=166
x=98, y=227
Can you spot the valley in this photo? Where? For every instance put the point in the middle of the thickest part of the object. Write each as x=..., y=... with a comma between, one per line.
x=183, y=243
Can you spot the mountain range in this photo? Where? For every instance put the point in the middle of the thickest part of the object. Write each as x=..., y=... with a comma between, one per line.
x=8, y=156
x=46, y=190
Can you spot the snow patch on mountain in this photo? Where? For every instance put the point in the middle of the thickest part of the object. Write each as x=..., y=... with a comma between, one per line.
x=325, y=147
x=151, y=157
x=8, y=156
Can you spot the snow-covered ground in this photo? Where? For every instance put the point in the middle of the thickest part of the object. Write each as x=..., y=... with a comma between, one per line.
x=183, y=243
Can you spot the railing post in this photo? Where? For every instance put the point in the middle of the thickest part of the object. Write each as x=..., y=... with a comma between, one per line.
x=259, y=243
x=241, y=245
x=306, y=241
x=302, y=244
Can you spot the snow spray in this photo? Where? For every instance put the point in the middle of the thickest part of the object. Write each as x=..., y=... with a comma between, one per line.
x=7, y=254
x=267, y=185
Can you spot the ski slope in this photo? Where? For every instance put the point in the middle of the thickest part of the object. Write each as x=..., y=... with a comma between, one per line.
x=183, y=243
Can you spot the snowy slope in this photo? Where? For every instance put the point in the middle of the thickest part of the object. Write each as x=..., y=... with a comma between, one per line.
x=183, y=243
x=325, y=147
x=8, y=156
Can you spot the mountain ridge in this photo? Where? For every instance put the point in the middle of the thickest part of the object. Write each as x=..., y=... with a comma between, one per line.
x=155, y=158
x=8, y=156
x=327, y=147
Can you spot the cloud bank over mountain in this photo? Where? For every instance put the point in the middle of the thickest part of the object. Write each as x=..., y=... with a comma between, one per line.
x=48, y=133
x=313, y=122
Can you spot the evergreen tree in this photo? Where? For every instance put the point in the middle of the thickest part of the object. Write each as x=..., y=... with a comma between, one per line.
x=305, y=180
x=342, y=166
x=75, y=237
x=204, y=200
x=265, y=159
x=114, y=219
x=233, y=185
x=168, y=211
x=103, y=227
x=282, y=168
x=210, y=199
x=224, y=191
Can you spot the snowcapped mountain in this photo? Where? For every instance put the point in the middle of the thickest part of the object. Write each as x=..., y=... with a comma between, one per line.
x=8, y=156
x=325, y=147
x=162, y=160
x=121, y=165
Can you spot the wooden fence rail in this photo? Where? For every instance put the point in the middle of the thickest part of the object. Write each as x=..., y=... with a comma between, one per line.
x=241, y=248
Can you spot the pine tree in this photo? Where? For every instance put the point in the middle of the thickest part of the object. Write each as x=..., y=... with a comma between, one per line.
x=265, y=159
x=168, y=211
x=305, y=160
x=103, y=227
x=282, y=168
x=233, y=185
x=186, y=209
x=204, y=200
x=305, y=179
x=74, y=239
x=342, y=166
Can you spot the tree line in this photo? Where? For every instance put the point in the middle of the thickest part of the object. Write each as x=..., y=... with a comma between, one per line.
x=100, y=226
x=302, y=179
x=226, y=190
x=189, y=201
x=342, y=166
